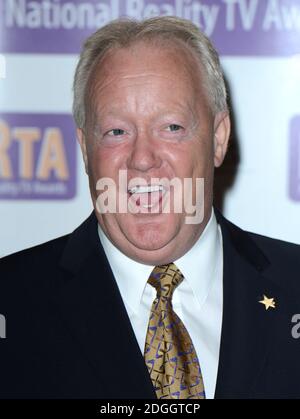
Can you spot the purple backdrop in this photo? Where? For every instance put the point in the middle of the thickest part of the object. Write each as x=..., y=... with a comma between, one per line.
x=294, y=164
x=238, y=27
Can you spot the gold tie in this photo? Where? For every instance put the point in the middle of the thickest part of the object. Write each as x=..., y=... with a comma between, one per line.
x=169, y=351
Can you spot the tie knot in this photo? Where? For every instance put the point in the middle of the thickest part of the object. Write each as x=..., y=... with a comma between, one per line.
x=165, y=278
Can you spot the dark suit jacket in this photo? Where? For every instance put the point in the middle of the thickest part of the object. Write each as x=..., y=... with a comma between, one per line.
x=69, y=336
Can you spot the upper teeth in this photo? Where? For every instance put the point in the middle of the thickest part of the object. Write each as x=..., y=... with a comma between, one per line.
x=145, y=189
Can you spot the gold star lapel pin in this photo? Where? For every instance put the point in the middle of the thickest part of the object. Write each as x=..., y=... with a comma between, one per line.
x=268, y=302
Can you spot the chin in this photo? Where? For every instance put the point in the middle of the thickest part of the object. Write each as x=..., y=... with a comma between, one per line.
x=150, y=236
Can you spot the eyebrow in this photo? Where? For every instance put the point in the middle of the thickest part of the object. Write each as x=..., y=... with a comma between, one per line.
x=119, y=112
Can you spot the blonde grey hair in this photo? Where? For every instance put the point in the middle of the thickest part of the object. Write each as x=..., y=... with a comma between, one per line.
x=123, y=33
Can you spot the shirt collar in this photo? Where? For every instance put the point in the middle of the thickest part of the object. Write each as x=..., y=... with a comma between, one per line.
x=197, y=266
x=131, y=276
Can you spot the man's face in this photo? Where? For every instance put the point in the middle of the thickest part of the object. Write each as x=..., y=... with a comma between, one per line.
x=151, y=117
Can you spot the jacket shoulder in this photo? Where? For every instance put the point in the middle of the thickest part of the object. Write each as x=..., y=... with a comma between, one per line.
x=277, y=259
x=277, y=250
x=284, y=261
x=37, y=258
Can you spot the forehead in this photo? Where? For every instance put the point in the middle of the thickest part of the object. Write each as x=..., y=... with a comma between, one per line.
x=165, y=65
x=161, y=56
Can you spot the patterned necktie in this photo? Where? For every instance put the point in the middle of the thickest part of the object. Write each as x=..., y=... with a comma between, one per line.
x=169, y=351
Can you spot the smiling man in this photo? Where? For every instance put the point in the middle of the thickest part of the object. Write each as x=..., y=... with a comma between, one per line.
x=143, y=302
x=150, y=114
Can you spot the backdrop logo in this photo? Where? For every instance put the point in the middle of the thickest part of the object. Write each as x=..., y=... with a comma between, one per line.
x=37, y=156
x=294, y=164
x=243, y=27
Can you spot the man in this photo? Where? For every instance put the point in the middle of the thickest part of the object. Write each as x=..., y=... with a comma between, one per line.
x=146, y=302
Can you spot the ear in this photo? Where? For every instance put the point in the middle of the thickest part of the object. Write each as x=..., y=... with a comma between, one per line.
x=221, y=137
x=82, y=142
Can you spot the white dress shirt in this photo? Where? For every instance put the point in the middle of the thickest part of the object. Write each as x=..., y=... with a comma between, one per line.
x=198, y=300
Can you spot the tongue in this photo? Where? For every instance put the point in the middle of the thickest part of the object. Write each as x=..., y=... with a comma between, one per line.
x=145, y=199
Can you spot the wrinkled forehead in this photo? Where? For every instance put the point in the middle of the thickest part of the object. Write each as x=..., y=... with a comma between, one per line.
x=175, y=52
x=171, y=61
x=156, y=54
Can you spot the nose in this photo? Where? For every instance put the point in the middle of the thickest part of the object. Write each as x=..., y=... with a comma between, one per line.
x=144, y=155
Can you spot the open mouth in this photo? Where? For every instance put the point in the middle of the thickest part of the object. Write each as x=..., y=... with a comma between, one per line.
x=146, y=196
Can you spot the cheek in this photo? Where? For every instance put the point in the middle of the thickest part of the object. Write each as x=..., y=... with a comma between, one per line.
x=105, y=162
x=178, y=157
x=190, y=162
x=202, y=157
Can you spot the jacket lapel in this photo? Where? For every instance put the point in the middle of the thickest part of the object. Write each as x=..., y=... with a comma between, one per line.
x=247, y=327
x=93, y=309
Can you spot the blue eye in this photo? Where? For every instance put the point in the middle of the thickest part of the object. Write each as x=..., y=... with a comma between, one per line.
x=116, y=132
x=174, y=127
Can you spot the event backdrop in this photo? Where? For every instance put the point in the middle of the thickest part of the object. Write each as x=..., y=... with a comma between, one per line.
x=43, y=186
